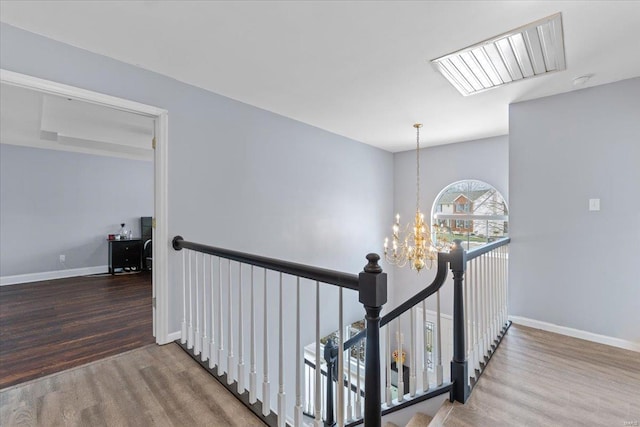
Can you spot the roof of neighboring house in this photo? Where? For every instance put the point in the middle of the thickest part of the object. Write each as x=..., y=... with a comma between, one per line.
x=449, y=197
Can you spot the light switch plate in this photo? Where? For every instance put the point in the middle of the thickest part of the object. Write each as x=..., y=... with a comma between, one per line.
x=594, y=204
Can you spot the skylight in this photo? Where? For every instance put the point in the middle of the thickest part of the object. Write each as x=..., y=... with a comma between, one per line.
x=529, y=51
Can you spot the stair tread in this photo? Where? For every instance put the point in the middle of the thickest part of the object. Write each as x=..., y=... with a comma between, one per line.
x=442, y=414
x=419, y=420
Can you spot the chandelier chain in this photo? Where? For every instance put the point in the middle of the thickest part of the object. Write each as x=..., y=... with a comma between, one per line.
x=417, y=167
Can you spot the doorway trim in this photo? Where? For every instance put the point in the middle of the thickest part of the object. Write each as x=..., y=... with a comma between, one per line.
x=160, y=232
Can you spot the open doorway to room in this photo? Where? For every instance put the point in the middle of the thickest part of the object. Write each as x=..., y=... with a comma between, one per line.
x=75, y=166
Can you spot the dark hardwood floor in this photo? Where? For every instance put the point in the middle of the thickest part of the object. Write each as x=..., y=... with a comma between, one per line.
x=50, y=326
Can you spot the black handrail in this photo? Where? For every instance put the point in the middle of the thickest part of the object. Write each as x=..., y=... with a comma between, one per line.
x=438, y=281
x=475, y=253
x=338, y=278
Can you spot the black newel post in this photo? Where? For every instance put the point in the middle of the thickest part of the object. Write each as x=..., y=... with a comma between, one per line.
x=330, y=356
x=373, y=295
x=459, y=369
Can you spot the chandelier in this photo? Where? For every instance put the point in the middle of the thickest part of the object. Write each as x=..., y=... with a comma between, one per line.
x=414, y=245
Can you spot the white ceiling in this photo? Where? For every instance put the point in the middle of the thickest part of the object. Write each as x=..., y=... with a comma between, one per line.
x=356, y=68
x=34, y=119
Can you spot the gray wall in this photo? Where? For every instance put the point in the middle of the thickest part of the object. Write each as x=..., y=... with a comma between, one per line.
x=239, y=177
x=570, y=266
x=485, y=160
x=57, y=202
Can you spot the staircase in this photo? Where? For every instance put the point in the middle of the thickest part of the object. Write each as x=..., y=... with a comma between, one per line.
x=418, y=420
x=247, y=319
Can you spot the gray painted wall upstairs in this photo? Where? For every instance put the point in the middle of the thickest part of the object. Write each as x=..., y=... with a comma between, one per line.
x=58, y=202
x=570, y=266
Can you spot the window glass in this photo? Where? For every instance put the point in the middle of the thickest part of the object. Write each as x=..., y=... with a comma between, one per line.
x=472, y=211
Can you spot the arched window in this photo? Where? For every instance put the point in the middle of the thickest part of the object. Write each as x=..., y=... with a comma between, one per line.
x=472, y=211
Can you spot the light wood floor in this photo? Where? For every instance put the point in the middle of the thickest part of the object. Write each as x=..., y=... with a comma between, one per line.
x=149, y=386
x=538, y=378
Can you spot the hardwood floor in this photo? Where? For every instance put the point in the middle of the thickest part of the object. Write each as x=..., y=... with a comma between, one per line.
x=54, y=325
x=539, y=378
x=150, y=386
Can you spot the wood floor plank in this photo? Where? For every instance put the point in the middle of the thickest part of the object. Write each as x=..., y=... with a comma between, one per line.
x=50, y=326
x=538, y=378
x=143, y=387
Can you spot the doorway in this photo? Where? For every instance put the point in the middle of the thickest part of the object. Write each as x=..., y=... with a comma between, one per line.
x=160, y=202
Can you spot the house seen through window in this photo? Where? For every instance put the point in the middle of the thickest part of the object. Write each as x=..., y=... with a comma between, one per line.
x=472, y=211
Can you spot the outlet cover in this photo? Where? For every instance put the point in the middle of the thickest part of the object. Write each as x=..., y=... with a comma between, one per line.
x=594, y=204
x=63, y=258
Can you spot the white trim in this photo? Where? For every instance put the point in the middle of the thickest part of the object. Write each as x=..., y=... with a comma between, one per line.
x=173, y=336
x=576, y=333
x=51, y=275
x=161, y=232
x=53, y=88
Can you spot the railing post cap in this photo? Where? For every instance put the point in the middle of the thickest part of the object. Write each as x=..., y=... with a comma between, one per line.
x=458, y=257
x=373, y=283
x=176, y=242
x=373, y=266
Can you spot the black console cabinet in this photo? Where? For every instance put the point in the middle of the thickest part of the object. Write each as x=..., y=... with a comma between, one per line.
x=125, y=254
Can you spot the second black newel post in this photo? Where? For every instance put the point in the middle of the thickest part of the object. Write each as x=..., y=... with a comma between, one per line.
x=373, y=295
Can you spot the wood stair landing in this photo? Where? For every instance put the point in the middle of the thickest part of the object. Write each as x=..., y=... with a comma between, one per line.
x=418, y=420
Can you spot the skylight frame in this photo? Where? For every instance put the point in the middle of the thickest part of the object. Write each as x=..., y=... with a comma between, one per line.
x=529, y=51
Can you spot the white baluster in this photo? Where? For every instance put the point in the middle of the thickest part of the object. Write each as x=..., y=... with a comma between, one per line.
x=324, y=396
x=230, y=355
x=309, y=377
x=481, y=305
x=183, y=328
x=412, y=355
x=399, y=364
x=318, y=397
x=212, y=343
x=438, y=367
x=190, y=328
x=487, y=287
x=266, y=395
x=506, y=286
x=205, y=338
x=297, y=415
x=340, y=379
x=282, y=402
x=501, y=286
x=467, y=322
x=220, y=324
x=496, y=295
x=241, y=382
x=198, y=344
x=252, y=374
x=349, y=415
x=473, y=275
x=387, y=359
x=487, y=325
x=359, y=385
x=425, y=345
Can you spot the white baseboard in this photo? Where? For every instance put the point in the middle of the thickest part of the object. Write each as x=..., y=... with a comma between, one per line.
x=577, y=333
x=50, y=275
